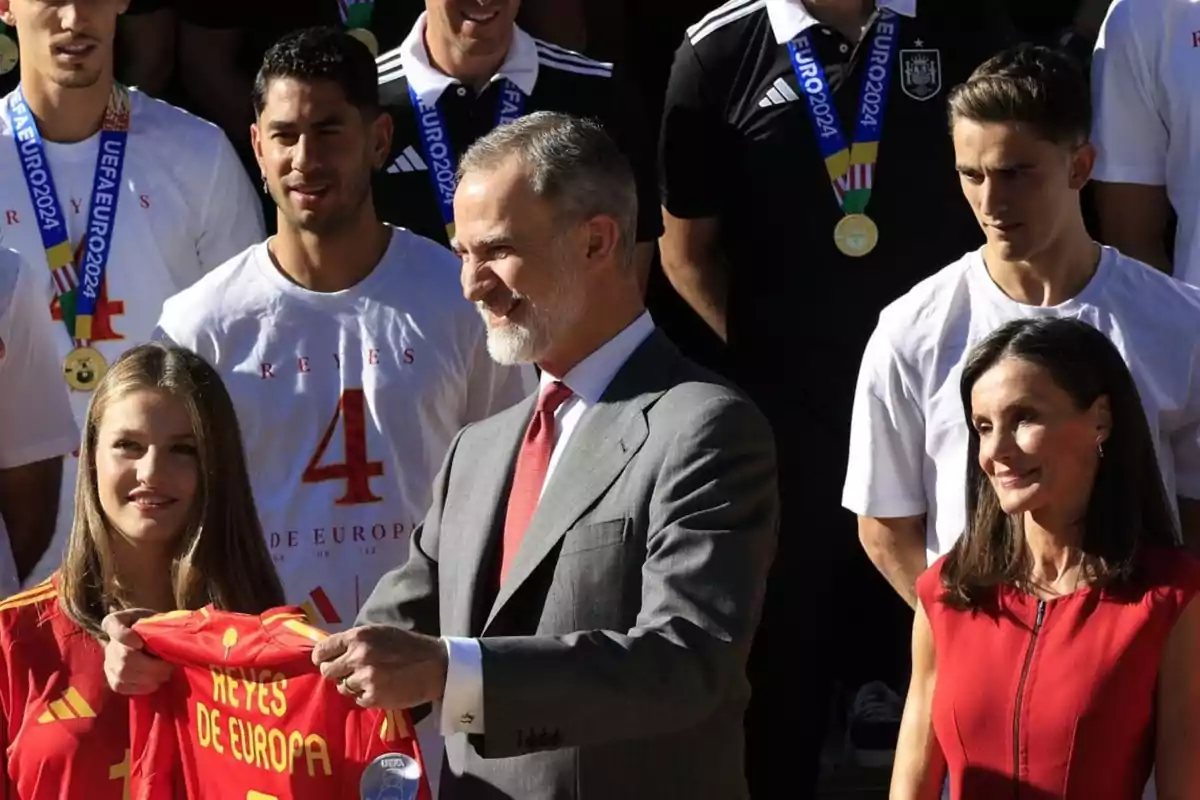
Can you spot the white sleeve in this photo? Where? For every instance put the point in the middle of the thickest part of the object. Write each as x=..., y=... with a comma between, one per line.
x=887, y=439
x=36, y=421
x=177, y=327
x=462, y=701
x=1129, y=130
x=233, y=214
x=493, y=387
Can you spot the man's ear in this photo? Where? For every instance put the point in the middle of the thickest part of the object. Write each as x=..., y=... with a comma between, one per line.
x=382, y=129
x=1083, y=160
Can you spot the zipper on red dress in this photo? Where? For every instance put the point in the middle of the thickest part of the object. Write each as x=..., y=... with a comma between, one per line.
x=1037, y=626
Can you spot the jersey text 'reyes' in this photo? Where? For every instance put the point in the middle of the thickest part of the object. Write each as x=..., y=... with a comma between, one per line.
x=251, y=742
x=303, y=365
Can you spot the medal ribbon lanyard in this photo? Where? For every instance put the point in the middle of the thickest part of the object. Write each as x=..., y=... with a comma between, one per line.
x=76, y=291
x=435, y=142
x=851, y=168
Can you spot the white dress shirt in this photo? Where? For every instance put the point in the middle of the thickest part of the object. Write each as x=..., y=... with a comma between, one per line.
x=462, y=703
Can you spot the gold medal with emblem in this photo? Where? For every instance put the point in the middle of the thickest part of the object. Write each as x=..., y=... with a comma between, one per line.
x=367, y=38
x=83, y=368
x=856, y=235
x=9, y=54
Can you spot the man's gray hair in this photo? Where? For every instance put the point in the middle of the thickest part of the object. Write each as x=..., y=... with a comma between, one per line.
x=573, y=164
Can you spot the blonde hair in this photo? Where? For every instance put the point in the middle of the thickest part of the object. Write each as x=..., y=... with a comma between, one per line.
x=222, y=556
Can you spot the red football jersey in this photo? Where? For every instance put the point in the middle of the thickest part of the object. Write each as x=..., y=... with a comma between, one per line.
x=64, y=735
x=247, y=715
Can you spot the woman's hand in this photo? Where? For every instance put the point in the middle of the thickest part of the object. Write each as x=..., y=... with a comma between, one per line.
x=127, y=667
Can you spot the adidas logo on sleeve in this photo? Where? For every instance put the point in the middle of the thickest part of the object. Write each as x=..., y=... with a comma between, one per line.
x=778, y=94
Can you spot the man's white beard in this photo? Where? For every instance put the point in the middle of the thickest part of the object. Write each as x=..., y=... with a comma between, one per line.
x=513, y=343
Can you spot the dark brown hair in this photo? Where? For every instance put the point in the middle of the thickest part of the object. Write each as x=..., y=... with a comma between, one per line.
x=1127, y=509
x=222, y=557
x=1031, y=85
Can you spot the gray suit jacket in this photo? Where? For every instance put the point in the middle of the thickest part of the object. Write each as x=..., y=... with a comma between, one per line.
x=614, y=655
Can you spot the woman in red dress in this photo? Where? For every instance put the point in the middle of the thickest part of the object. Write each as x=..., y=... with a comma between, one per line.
x=1056, y=648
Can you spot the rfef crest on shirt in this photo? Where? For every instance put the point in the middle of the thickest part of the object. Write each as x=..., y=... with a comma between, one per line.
x=921, y=72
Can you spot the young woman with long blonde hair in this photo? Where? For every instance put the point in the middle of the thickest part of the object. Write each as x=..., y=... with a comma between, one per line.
x=164, y=520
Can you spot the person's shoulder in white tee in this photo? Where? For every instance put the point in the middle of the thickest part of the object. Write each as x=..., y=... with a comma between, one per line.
x=1144, y=128
x=197, y=159
x=417, y=274
x=37, y=426
x=898, y=364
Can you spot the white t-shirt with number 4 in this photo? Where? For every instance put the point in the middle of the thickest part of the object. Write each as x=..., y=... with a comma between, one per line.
x=36, y=422
x=908, y=437
x=185, y=206
x=347, y=402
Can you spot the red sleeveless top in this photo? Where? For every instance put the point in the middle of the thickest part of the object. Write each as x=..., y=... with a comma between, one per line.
x=1038, y=700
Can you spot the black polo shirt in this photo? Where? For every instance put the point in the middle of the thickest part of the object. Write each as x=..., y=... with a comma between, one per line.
x=738, y=144
x=550, y=77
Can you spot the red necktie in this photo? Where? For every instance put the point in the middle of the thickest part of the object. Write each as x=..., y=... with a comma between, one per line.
x=533, y=461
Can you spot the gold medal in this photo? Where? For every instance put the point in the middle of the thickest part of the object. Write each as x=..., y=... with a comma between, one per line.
x=83, y=368
x=856, y=235
x=9, y=54
x=367, y=38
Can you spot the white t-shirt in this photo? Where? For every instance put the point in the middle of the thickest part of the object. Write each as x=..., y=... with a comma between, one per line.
x=908, y=437
x=36, y=422
x=1147, y=109
x=347, y=403
x=185, y=207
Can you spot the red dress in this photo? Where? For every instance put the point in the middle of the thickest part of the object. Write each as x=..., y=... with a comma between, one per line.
x=1039, y=700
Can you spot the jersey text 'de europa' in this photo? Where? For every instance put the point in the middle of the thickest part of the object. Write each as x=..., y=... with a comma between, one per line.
x=246, y=714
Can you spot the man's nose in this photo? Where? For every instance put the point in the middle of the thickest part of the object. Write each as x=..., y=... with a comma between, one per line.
x=477, y=281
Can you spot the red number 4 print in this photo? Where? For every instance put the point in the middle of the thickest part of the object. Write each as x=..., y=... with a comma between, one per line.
x=354, y=469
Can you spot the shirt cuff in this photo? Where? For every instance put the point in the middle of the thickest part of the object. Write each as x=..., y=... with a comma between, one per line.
x=462, y=703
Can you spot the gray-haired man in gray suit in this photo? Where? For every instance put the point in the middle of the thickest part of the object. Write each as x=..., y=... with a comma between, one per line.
x=582, y=595
x=594, y=641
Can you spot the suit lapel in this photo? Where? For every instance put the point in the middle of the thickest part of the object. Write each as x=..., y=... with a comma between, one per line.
x=495, y=466
x=608, y=436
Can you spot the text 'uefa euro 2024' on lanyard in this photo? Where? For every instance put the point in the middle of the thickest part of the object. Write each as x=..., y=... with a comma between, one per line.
x=851, y=167
x=439, y=153
x=76, y=286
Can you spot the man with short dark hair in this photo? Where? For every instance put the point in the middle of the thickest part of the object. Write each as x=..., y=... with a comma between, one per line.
x=348, y=351
x=1020, y=127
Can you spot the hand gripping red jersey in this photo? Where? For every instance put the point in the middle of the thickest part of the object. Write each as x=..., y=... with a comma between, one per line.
x=247, y=716
x=64, y=735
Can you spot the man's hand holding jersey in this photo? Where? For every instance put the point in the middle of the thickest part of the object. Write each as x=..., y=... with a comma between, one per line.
x=384, y=667
x=378, y=665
